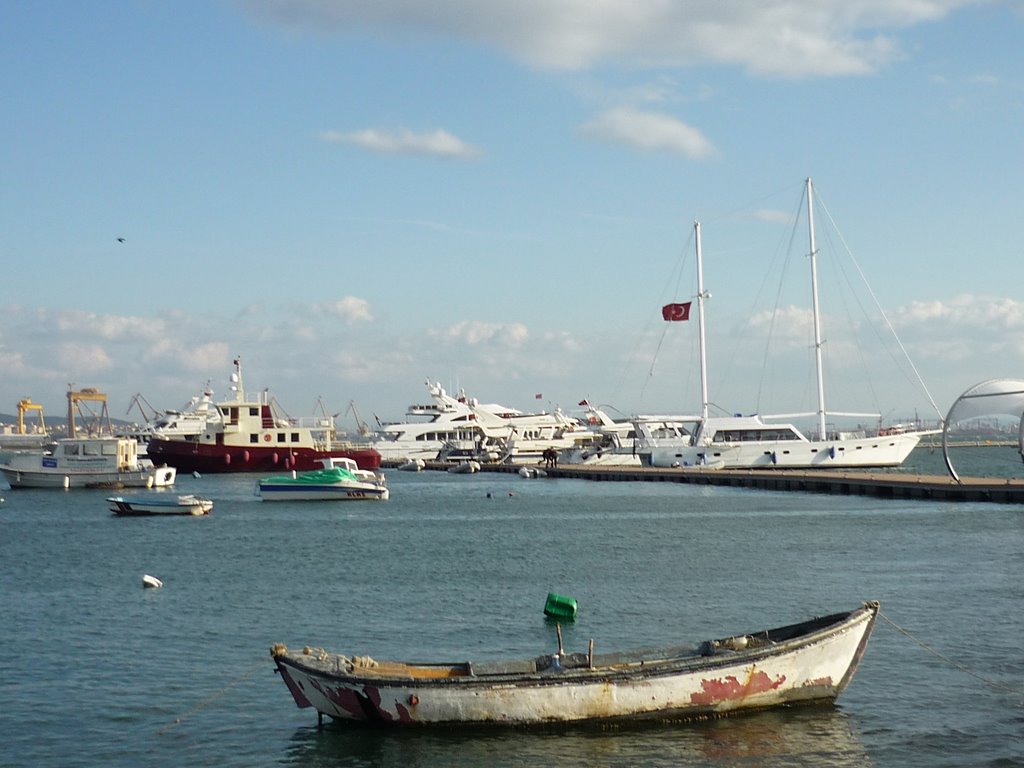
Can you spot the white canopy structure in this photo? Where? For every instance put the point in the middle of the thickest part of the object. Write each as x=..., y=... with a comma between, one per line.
x=995, y=397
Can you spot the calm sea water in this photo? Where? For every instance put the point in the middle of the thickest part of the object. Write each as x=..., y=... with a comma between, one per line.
x=101, y=672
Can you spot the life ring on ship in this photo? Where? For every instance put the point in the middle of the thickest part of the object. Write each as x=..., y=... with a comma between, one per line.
x=266, y=438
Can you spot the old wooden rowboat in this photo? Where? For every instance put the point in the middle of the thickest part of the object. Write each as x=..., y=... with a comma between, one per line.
x=812, y=661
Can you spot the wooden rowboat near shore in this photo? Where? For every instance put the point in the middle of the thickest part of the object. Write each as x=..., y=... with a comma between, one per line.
x=812, y=661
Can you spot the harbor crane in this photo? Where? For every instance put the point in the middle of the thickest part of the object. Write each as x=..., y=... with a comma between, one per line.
x=24, y=405
x=140, y=402
x=95, y=421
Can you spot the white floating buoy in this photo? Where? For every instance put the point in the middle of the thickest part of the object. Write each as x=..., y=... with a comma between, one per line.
x=151, y=581
x=196, y=474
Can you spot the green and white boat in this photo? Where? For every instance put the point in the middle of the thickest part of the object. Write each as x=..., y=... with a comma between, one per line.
x=339, y=480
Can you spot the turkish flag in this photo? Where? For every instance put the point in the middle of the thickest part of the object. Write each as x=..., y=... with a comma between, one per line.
x=674, y=312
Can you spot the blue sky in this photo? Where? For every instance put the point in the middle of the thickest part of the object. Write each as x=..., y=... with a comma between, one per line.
x=356, y=197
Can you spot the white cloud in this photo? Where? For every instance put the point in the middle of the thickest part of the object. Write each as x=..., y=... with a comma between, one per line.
x=792, y=38
x=12, y=362
x=773, y=216
x=82, y=358
x=651, y=131
x=438, y=143
x=475, y=333
x=349, y=308
x=110, y=327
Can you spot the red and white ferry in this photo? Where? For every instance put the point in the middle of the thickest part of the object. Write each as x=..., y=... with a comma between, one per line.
x=251, y=436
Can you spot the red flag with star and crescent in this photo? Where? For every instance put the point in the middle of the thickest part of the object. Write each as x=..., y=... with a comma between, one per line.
x=676, y=312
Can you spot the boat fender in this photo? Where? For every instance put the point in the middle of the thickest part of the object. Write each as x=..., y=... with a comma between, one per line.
x=227, y=458
x=775, y=459
x=245, y=456
x=275, y=457
x=831, y=451
x=413, y=699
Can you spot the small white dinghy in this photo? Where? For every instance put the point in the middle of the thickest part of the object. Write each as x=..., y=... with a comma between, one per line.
x=151, y=582
x=148, y=505
x=465, y=467
x=413, y=465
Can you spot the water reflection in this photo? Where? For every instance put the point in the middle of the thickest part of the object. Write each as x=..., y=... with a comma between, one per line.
x=811, y=736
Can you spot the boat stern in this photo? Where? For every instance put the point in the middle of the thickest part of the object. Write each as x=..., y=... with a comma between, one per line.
x=161, y=477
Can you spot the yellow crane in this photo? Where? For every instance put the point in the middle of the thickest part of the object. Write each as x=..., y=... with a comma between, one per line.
x=75, y=400
x=24, y=405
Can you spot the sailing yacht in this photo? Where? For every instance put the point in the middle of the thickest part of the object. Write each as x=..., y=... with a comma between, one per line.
x=736, y=442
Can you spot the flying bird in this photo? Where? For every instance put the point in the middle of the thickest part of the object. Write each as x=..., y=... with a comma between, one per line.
x=120, y=239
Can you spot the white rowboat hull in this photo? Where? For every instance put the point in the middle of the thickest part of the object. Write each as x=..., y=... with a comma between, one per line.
x=139, y=506
x=813, y=661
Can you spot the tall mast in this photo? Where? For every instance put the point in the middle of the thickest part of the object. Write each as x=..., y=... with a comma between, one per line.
x=701, y=295
x=814, y=311
x=236, y=381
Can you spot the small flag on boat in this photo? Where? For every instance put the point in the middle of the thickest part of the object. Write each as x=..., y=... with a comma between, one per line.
x=674, y=312
x=584, y=401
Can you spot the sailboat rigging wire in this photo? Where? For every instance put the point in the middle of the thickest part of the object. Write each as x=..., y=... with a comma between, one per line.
x=954, y=664
x=878, y=306
x=775, y=307
x=679, y=270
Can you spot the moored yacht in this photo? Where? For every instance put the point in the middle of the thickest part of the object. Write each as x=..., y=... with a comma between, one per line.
x=758, y=441
x=86, y=462
x=428, y=427
x=520, y=438
x=624, y=442
x=455, y=428
x=250, y=436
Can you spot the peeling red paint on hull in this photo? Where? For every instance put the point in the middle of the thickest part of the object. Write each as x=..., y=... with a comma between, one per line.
x=730, y=689
x=795, y=663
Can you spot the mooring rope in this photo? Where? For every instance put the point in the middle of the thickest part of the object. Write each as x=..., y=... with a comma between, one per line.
x=951, y=662
x=215, y=695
